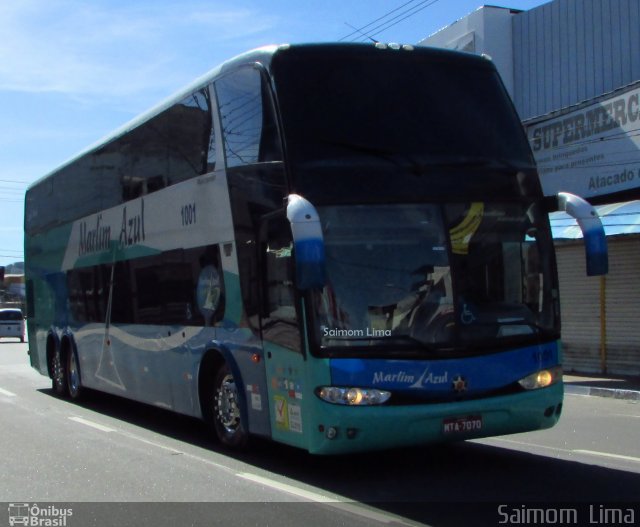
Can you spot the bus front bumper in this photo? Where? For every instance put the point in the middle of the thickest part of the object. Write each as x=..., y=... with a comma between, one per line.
x=342, y=429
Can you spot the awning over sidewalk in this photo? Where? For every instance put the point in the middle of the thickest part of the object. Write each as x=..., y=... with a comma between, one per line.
x=617, y=218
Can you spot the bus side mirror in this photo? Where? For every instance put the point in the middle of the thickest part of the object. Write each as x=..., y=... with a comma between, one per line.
x=308, y=243
x=595, y=241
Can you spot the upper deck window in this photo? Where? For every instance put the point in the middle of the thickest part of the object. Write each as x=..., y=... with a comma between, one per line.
x=395, y=103
x=403, y=125
x=175, y=145
x=248, y=124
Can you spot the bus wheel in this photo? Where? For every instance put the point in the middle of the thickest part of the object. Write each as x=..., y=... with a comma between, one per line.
x=58, y=377
x=227, y=413
x=74, y=387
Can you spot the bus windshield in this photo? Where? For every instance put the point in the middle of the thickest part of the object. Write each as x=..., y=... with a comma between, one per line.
x=434, y=277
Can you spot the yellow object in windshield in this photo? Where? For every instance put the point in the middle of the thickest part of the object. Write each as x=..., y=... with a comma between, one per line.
x=462, y=233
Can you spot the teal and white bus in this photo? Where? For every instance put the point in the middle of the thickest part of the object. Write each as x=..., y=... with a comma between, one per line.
x=337, y=247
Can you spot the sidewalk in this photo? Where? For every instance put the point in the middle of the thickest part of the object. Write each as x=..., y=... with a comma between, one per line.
x=616, y=386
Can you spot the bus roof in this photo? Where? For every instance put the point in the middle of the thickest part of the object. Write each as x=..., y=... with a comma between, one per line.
x=262, y=55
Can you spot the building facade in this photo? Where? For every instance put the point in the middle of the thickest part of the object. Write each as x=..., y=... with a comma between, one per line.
x=572, y=68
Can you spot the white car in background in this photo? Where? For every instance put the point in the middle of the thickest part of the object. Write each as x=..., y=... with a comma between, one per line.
x=12, y=323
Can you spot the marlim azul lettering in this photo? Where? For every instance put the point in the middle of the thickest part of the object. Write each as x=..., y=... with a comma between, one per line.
x=402, y=377
x=94, y=240
x=98, y=238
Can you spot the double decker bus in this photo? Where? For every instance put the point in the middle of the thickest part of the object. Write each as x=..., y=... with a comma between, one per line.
x=340, y=247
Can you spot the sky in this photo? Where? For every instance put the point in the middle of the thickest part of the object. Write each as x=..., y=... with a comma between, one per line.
x=71, y=71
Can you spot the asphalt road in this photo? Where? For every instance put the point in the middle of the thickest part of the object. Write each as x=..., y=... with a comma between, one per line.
x=117, y=462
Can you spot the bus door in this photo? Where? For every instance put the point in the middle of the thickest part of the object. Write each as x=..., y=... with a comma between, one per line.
x=281, y=326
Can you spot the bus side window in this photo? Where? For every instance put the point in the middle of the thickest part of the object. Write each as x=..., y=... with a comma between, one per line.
x=280, y=319
x=248, y=124
x=191, y=145
x=88, y=289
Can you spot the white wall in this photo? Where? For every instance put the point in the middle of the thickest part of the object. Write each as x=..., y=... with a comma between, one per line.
x=486, y=30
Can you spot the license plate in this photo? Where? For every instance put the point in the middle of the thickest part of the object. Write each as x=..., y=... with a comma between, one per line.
x=462, y=425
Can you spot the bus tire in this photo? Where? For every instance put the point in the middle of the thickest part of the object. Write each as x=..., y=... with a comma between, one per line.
x=74, y=384
x=58, y=374
x=226, y=410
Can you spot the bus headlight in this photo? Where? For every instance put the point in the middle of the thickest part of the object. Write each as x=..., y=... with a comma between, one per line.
x=352, y=396
x=542, y=378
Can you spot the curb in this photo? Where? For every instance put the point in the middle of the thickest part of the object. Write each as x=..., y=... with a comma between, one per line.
x=613, y=393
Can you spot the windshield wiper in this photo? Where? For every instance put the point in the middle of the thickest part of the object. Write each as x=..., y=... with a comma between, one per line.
x=421, y=162
x=535, y=327
x=386, y=339
x=368, y=150
x=517, y=326
x=467, y=161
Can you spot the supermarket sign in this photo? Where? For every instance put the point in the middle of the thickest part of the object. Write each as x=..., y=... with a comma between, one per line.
x=591, y=151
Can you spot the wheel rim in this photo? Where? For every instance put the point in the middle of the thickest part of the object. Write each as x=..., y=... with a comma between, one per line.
x=74, y=375
x=57, y=370
x=226, y=404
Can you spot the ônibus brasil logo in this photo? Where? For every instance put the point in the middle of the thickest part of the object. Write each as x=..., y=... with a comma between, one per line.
x=38, y=516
